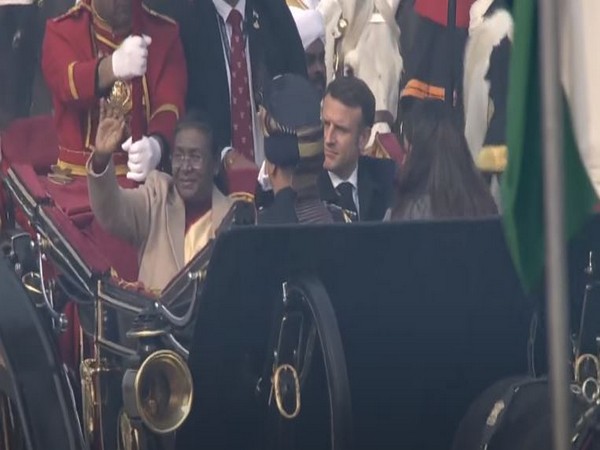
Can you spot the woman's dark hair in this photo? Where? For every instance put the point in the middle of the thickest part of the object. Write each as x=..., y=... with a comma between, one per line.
x=200, y=121
x=439, y=167
x=354, y=93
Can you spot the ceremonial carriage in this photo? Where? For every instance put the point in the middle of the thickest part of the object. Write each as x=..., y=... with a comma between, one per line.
x=321, y=337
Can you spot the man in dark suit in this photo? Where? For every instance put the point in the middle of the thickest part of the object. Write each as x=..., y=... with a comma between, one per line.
x=232, y=48
x=353, y=182
x=294, y=153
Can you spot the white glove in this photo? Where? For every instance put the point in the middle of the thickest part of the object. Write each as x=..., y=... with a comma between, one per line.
x=263, y=178
x=144, y=156
x=131, y=58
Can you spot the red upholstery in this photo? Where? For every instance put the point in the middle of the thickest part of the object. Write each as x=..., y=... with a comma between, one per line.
x=122, y=256
x=30, y=141
x=69, y=341
x=72, y=199
x=88, y=252
x=34, y=183
x=3, y=207
x=242, y=180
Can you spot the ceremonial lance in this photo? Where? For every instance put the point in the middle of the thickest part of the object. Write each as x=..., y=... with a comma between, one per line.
x=137, y=118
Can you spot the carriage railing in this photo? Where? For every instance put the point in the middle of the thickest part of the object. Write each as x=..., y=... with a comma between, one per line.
x=585, y=357
x=87, y=285
x=124, y=361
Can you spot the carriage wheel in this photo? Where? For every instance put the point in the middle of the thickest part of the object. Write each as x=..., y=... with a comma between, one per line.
x=37, y=408
x=11, y=432
x=310, y=392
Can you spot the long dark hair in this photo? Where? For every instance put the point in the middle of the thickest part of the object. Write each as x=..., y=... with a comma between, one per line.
x=439, y=167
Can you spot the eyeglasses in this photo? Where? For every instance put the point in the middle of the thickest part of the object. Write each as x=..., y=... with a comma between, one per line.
x=195, y=160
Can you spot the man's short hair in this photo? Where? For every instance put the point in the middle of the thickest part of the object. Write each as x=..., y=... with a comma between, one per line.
x=354, y=93
x=201, y=122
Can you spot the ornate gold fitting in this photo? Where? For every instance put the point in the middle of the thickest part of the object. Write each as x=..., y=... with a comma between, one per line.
x=276, y=381
x=129, y=434
x=587, y=376
x=90, y=372
x=120, y=97
x=59, y=175
x=580, y=363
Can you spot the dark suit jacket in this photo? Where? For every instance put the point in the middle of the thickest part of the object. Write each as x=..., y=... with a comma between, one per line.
x=275, y=48
x=287, y=208
x=375, y=187
x=281, y=211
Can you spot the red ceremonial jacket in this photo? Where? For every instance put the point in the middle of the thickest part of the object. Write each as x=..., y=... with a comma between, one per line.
x=437, y=10
x=73, y=46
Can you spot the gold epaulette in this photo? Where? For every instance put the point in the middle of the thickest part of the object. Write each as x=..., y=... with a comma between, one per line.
x=242, y=196
x=72, y=10
x=492, y=158
x=159, y=15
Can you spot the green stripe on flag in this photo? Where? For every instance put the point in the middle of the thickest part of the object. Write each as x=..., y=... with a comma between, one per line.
x=522, y=188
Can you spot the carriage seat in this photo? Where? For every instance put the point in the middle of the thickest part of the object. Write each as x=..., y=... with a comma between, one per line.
x=30, y=146
x=30, y=141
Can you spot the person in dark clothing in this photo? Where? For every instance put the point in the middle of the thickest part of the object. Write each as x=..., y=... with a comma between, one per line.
x=357, y=183
x=232, y=48
x=294, y=153
x=439, y=179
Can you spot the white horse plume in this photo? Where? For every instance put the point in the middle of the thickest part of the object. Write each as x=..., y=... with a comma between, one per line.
x=369, y=48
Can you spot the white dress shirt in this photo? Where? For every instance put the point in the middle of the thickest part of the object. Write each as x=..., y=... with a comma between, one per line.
x=223, y=9
x=353, y=180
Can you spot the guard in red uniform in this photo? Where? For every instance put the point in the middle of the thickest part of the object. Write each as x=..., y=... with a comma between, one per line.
x=88, y=54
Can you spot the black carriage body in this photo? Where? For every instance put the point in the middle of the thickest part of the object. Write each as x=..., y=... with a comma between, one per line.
x=429, y=314
x=31, y=376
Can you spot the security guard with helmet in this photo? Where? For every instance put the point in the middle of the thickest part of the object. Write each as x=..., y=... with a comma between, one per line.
x=293, y=133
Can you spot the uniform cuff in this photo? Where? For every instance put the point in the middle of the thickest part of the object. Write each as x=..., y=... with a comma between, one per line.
x=82, y=79
x=90, y=168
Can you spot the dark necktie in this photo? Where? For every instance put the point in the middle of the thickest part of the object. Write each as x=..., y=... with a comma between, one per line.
x=345, y=191
x=241, y=110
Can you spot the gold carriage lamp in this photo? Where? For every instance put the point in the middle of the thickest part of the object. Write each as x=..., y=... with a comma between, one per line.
x=159, y=392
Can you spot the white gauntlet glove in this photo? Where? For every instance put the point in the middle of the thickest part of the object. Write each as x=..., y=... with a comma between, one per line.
x=144, y=157
x=131, y=58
